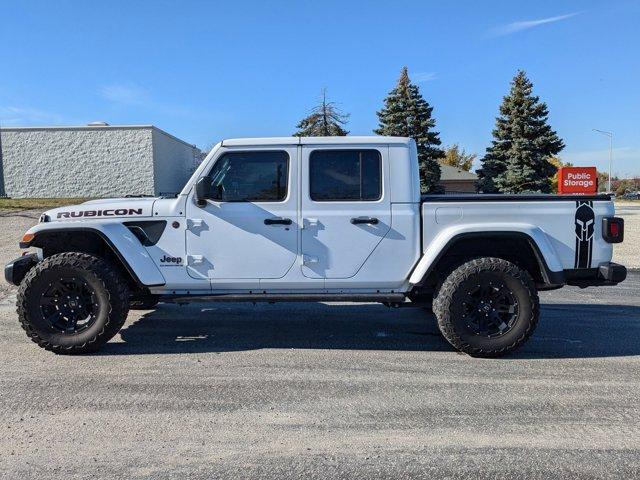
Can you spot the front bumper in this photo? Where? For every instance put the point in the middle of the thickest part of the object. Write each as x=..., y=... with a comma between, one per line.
x=606, y=274
x=15, y=270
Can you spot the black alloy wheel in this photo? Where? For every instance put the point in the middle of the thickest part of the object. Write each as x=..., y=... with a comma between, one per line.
x=69, y=305
x=490, y=309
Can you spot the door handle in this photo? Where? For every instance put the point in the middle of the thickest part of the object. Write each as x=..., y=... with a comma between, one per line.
x=277, y=221
x=364, y=220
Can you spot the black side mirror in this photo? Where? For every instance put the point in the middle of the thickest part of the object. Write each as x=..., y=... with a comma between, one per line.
x=203, y=191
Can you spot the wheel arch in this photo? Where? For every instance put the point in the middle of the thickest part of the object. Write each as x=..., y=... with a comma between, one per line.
x=529, y=250
x=114, y=242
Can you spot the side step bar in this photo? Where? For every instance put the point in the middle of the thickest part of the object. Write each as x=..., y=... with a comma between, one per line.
x=394, y=298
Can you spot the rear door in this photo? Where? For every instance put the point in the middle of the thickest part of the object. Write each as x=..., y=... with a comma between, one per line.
x=345, y=207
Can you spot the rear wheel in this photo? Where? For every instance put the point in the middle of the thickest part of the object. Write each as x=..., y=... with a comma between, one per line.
x=72, y=303
x=487, y=307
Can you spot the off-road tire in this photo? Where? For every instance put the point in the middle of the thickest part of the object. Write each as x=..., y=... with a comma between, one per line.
x=448, y=310
x=109, y=289
x=146, y=302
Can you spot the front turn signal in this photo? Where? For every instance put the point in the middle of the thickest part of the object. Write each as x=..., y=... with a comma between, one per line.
x=27, y=237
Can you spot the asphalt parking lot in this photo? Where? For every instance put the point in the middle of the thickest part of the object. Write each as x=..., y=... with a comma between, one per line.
x=628, y=252
x=326, y=391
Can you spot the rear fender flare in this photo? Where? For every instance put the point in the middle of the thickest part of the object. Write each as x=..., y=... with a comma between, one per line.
x=550, y=265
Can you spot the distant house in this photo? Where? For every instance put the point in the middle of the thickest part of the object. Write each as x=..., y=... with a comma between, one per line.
x=96, y=160
x=456, y=180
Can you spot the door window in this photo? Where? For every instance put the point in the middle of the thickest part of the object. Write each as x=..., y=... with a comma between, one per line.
x=347, y=175
x=250, y=177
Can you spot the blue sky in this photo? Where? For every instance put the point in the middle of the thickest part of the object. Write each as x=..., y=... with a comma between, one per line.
x=209, y=70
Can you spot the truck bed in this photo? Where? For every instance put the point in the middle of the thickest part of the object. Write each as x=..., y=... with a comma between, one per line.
x=500, y=197
x=555, y=223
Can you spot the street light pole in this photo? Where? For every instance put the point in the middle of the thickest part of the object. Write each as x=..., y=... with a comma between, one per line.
x=610, y=135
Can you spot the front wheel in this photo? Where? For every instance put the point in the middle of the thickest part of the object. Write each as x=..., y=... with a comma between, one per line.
x=72, y=303
x=487, y=307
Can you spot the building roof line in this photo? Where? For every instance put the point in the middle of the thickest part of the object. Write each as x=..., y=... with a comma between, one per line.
x=54, y=128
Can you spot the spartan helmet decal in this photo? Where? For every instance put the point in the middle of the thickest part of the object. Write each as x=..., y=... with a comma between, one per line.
x=584, y=222
x=584, y=228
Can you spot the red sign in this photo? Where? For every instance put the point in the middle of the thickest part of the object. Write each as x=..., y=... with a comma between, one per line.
x=577, y=180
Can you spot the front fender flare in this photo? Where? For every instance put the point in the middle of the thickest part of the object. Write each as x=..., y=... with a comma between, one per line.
x=548, y=260
x=119, y=238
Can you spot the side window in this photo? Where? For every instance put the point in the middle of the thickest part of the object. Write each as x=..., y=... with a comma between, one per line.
x=250, y=177
x=354, y=175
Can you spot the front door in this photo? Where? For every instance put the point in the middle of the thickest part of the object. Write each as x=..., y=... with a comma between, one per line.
x=346, y=210
x=248, y=229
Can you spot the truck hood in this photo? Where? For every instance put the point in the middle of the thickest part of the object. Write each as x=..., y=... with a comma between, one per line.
x=102, y=209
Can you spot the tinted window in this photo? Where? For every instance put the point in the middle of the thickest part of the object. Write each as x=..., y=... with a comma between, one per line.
x=250, y=177
x=345, y=175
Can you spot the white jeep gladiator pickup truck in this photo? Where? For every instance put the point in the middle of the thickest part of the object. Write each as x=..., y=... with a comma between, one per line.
x=313, y=219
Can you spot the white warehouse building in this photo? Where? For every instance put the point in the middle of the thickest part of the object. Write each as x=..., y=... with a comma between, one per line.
x=97, y=160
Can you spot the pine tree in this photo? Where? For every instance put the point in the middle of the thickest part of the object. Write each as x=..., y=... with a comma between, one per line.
x=407, y=114
x=325, y=120
x=457, y=157
x=523, y=142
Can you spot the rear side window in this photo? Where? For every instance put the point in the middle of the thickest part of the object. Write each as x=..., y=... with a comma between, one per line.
x=352, y=175
x=250, y=177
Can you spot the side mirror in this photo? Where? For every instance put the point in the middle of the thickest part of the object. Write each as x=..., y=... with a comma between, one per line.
x=203, y=191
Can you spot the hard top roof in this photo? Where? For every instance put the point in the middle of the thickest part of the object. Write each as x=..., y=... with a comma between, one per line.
x=365, y=140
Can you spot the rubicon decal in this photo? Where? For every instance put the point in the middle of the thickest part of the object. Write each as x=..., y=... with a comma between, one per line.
x=118, y=212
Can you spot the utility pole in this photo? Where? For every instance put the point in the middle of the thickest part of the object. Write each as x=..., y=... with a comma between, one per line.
x=610, y=135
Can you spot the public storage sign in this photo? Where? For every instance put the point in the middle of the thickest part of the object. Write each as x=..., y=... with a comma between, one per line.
x=577, y=180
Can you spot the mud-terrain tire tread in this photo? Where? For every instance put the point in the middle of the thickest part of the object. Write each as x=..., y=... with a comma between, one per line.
x=115, y=287
x=444, y=299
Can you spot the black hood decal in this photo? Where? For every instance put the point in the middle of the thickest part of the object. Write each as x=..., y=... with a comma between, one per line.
x=117, y=212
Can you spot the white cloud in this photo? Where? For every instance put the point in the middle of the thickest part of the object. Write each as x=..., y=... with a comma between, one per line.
x=515, y=27
x=12, y=115
x=124, y=94
x=421, y=77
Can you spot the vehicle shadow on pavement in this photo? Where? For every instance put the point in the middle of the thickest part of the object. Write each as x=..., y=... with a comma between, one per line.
x=564, y=331
x=225, y=327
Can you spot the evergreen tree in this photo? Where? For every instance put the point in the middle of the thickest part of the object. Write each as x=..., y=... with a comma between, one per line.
x=325, y=120
x=523, y=142
x=407, y=114
x=457, y=157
